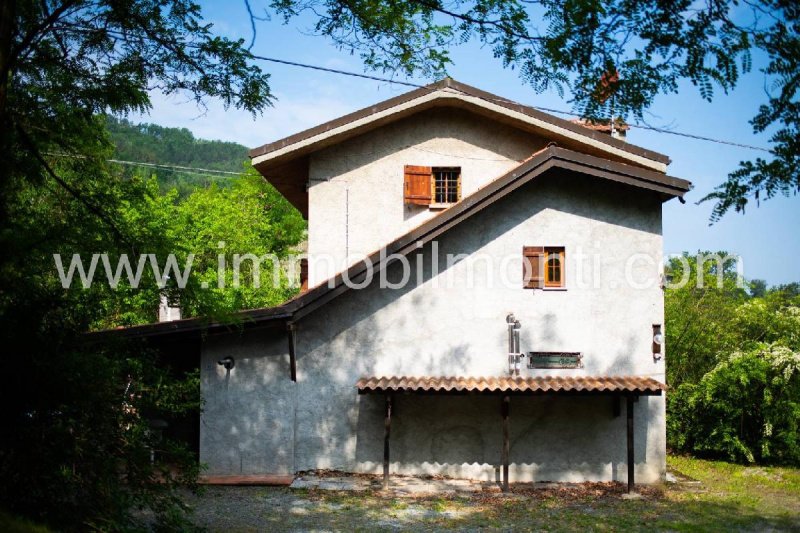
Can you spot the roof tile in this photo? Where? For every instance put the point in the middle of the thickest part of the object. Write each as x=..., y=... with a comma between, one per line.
x=532, y=385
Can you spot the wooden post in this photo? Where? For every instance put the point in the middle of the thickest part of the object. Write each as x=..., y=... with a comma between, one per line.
x=630, y=443
x=387, y=424
x=506, y=445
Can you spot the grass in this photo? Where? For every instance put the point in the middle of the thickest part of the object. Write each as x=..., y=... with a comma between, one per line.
x=728, y=498
x=14, y=524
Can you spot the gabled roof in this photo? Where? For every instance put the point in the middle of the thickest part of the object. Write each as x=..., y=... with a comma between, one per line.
x=449, y=92
x=543, y=161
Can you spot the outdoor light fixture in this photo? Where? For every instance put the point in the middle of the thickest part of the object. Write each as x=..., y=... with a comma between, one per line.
x=227, y=362
x=658, y=341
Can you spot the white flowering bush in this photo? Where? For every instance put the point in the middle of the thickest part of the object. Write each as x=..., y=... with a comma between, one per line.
x=746, y=409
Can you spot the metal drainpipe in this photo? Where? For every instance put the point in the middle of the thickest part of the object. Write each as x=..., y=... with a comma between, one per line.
x=510, y=322
x=517, y=327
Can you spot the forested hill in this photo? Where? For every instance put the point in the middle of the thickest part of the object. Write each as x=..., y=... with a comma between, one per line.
x=151, y=143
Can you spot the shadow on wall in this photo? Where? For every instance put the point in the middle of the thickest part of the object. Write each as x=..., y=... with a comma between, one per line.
x=366, y=332
x=551, y=437
x=247, y=424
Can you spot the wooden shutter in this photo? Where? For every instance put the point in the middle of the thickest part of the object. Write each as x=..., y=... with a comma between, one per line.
x=533, y=267
x=417, y=185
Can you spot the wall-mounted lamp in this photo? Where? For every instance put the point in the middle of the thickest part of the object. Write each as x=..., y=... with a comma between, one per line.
x=227, y=362
x=658, y=341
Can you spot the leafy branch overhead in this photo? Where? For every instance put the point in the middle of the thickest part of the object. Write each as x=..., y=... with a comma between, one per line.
x=63, y=62
x=613, y=56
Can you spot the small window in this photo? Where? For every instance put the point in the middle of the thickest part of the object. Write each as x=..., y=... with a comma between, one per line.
x=446, y=185
x=554, y=267
x=543, y=267
x=432, y=186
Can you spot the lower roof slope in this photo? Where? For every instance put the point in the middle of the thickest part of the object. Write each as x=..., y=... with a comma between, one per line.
x=511, y=385
x=547, y=159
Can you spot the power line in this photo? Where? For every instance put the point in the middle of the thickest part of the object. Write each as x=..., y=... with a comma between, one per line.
x=337, y=71
x=174, y=167
x=540, y=108
x=670, y=132
x=121, y=35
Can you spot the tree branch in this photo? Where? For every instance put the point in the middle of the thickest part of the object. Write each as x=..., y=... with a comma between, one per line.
x=30, y=143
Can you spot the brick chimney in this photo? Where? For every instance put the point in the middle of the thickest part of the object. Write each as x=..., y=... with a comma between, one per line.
x=617, y=130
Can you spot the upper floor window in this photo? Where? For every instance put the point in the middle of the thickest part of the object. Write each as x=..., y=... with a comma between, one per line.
x=554, y=270
x=446, y=185
x=543, y=267
x=432, y=186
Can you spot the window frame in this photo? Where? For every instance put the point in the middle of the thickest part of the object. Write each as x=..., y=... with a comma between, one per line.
x=436, y=170
x=559, y=253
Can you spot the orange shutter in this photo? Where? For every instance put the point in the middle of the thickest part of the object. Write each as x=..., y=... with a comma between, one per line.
x=417, y=185
x=533, y=267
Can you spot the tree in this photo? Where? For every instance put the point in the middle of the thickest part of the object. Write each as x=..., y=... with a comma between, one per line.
x=248, y=216
x=615, y=56
x=699, y=311
x=63, y=62
x=732, y=362
x=158, y=145
x=75, y=444
x=746, y=409
x=758, y=288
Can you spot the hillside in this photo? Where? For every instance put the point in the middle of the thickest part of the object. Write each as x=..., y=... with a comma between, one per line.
x=151, y=143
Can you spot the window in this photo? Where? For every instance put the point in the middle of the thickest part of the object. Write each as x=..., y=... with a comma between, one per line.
x=446, y=185
x=432, y=186
x=554, y=270
x=543, y=267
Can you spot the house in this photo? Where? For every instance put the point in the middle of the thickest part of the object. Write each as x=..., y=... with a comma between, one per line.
x=528, y=344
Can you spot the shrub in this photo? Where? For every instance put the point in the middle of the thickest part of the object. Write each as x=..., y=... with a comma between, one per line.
x=746, y=409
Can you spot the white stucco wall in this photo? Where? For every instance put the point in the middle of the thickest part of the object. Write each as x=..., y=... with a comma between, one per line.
x=459, y=330
x=356, y=187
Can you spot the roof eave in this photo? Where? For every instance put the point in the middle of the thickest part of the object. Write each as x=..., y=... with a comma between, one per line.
x=285, y=147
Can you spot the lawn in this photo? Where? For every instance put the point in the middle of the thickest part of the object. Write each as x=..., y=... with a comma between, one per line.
x=712, y=496
x=727, y=498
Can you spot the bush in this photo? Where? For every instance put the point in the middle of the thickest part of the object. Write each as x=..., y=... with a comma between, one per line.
x=746, y=409
x=77, y=452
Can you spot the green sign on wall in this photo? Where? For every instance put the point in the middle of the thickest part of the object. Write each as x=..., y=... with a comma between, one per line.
x=555, y=360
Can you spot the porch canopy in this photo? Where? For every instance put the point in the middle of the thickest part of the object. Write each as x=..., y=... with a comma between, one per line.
x=630, y=387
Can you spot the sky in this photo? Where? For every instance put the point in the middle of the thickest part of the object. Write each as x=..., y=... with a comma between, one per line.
x=767, y=237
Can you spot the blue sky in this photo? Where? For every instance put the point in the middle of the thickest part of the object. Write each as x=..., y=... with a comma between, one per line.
x=767, y=237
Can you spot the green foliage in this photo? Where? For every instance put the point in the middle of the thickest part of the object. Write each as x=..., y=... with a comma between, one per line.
x=77, y=453
x=75, y=443
x=698, y=319
x=75, y=447
x=614, y=56
x=158, y=145
x=13, y=524
x=249, y=218
x=762, y=178
x=246, y=217
x=732, y=365
x=746, y=409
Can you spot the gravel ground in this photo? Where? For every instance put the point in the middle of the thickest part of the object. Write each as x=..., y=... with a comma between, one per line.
x=710, y=497
x=282, y=509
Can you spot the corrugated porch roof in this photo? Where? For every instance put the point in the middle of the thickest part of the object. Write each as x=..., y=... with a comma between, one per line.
x=639, y=385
